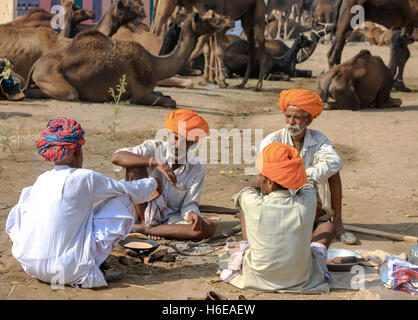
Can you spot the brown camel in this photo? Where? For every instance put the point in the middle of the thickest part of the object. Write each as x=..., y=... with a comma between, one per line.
x=281, y=9
x=360, y=82
x=396, y=14
x=23, y=46
x=93, y=63
x=37, y=17
x=251, y=13
x=152, y=43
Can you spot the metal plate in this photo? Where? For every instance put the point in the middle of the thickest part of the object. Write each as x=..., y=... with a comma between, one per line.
x=334, y=253
x=154, y=244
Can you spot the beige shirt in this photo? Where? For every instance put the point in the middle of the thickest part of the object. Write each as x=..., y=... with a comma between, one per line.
x=191, y=174
x=279, y=231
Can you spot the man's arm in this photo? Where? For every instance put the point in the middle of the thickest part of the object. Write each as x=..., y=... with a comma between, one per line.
x=250, y=184
x=139, y=191
x=326, y=163
x=128, y=159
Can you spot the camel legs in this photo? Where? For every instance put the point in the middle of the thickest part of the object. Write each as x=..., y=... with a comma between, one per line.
x=343, y=31
x=279, y=25
x=206, y=54
x=212, y=61
x=399, y=54
x=344, y=94
x=219, y=60
x=154, y=99
x=165, y=9
x=53, y=84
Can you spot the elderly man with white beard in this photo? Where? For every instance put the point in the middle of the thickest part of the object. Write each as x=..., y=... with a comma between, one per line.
x=321, y=161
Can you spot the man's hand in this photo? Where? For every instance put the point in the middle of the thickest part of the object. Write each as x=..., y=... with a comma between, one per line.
x=167, y=172
x=157, y=191
x=196, y=221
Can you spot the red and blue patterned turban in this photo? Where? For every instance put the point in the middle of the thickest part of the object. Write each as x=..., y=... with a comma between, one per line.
x=61, y=136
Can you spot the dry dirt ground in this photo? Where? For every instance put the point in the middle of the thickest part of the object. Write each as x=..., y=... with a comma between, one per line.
x=380, y=174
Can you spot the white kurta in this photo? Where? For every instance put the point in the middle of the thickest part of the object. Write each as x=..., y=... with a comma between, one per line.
x=279, y=257
x=191, y=175
x=59, y=237
x=320, y=159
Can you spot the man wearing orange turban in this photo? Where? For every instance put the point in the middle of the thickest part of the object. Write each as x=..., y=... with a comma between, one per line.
x=321, y=162
x=175, y=213
x=279, y=253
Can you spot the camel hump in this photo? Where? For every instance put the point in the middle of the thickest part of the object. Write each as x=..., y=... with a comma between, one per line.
x=92, y=33
x=363, y=53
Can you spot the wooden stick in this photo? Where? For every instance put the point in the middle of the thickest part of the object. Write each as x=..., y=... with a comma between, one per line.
x=382, y=234
x=215, y=209
x=411, y=215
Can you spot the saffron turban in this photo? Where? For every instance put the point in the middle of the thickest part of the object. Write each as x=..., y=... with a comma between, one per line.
x=188, y=124
x=306, y=100
x=282, y=164
x=60, y=138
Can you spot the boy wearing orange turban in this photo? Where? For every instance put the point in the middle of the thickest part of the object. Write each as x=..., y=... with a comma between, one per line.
x=175, y=213
x=279, y=253
x=321, y=162
x=59, y=234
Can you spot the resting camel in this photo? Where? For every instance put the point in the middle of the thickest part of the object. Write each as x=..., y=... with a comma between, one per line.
x=280, y=9
x=251, y=13
x=93, y=63
x=360, y=82
x=37, y=17
x=153, y=45
x=396, y=14
x=280, y=58
x=236, y=57
x=23, y=46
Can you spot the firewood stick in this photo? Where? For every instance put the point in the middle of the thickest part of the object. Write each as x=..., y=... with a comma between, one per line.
x=382, y=234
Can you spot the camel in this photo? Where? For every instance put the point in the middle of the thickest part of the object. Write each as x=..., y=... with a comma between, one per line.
x=360, y=82
x=280, y=58
x=396, y=14
x=280, y=9
x=251, y=13
x=236, y=56
x=37, y=17
x=154, y=45
x=371, y=34
x=93, y=63
x=23, y=46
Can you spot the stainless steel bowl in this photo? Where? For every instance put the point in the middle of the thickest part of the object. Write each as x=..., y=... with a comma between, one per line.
x=334, y=253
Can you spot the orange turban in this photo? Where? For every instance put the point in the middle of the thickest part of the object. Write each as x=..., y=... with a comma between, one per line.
x=184, y=121
x=306, y=100
x=282, y=164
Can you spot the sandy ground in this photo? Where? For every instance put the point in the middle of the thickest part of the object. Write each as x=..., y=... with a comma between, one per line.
x=378, y=150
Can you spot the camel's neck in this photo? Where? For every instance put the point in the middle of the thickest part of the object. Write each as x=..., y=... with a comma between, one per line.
x=106, y=25
x=289, y=56
x=170, y=64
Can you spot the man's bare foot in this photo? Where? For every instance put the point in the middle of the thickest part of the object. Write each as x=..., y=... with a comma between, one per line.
x=139, y=228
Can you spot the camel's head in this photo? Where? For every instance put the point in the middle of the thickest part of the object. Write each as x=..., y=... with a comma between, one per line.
x=125, y=11
x=179, y=15
x=211, y=22
x=73, y=15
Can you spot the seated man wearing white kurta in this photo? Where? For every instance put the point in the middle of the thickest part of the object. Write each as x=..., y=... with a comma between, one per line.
x=321, y=161
x=175, y=214
x=58, y=235
x=282, y=253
